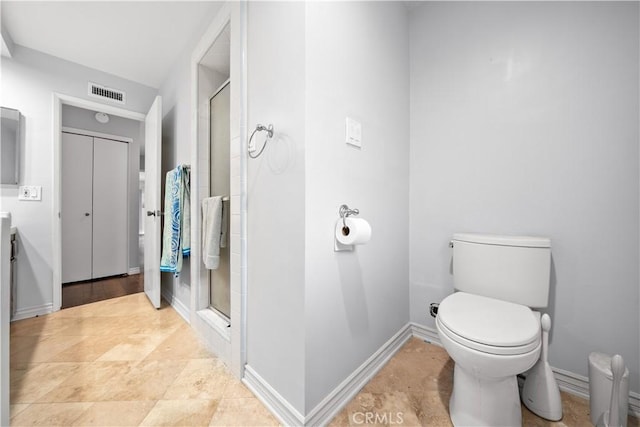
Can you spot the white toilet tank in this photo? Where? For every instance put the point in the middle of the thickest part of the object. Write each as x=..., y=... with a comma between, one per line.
x=508, y=268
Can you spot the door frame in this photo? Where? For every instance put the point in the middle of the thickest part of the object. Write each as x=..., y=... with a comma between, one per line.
x=58, y=101
x=231, y=345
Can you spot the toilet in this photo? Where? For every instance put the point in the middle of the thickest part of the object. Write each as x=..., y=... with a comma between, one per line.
x=488, y=326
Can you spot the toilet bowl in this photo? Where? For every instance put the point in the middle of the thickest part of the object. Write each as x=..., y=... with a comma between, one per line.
x=490, y=341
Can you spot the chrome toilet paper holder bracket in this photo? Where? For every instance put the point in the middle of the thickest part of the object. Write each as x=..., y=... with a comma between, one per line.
x=345, y=212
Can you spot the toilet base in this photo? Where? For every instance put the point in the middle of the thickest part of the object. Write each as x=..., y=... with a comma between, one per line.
x=478, y=401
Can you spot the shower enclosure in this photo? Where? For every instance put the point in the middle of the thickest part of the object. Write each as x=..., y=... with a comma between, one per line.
x=219, y=106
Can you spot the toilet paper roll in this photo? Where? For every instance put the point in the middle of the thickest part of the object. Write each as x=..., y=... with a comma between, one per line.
x=356, y=232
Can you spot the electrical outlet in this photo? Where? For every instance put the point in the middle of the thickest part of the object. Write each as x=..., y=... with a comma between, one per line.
x=30, y=192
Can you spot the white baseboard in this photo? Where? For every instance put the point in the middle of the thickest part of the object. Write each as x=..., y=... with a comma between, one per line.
x=25, y=313
x=331, y=405
x=134, y=270
x=177, y=305
x=425, y=333
x=277, y=404
x=575, y=384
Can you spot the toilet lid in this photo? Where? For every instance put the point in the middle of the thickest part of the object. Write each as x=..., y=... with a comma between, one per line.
x=488, y=321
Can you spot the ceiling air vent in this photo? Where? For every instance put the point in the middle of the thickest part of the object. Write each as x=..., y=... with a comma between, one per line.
x=103, y=92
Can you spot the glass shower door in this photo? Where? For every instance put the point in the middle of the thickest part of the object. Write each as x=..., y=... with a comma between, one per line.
x=219, y=279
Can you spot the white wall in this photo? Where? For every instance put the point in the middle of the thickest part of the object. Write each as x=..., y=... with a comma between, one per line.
x=524, y=120
x=176, y=149
x=80, y=118
x=307, y=303
x=176, y=137
x=355, y=301
x=27, y=83
x=276, y=197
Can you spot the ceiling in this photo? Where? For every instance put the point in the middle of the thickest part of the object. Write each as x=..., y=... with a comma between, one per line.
x=136, y=40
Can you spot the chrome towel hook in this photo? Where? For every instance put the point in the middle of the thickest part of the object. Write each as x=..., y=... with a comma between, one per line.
x=260, y=128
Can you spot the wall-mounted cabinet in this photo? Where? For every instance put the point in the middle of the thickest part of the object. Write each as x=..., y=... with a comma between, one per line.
x=9, y=146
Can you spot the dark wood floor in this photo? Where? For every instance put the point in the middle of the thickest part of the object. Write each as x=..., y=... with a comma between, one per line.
x=80, y=293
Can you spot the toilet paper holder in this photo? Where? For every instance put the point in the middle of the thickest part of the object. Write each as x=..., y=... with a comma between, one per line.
x=344, y=212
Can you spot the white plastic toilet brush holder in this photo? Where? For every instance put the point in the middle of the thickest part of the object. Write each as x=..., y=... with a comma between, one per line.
x=541, y=394
x=611, y=417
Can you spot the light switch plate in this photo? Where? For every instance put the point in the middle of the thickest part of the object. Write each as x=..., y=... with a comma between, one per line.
x=30, y=192
x=353, y=132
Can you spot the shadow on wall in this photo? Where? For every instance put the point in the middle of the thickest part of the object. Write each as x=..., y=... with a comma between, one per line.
x=551, y=306
x=353, y=292
x=170, y=146
x=280, y=153
x=22, y=146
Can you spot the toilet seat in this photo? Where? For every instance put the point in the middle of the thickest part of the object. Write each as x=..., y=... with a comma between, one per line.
x=489, y=325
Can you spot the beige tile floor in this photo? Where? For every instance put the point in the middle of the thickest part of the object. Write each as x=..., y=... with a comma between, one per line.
x=414, y=389
x=120, y=362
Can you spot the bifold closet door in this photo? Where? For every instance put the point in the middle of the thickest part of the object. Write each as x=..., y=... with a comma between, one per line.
x=110, y=207
x=76, y=212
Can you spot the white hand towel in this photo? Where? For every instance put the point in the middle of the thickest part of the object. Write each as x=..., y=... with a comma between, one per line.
x=211, y=228
x=225, y=224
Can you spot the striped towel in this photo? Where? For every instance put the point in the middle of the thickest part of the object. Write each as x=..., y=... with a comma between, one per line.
x=176, y=239
x=185, y=224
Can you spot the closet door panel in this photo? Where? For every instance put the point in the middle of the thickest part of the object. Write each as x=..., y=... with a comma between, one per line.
x=110, y=208
x=76, y=211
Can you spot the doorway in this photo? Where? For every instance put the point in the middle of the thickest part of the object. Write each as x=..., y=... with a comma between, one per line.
x=147, y=132
x=224, y=40
x=99, y=205
x=214, y=94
